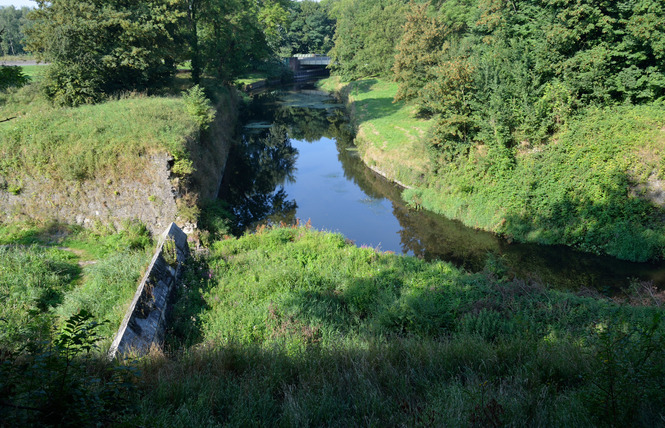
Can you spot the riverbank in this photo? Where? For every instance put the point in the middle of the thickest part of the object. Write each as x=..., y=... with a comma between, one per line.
x=288, y=326
x=596, y=186
x=291, y=326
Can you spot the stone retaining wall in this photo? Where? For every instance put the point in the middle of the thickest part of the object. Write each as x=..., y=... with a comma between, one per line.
x=144, y=324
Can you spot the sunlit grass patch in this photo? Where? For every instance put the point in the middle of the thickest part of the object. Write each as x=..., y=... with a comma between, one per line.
x=114, y=138
x=390, y=134
x=249, y=78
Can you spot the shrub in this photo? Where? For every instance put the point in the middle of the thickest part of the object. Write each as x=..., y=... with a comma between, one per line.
x=12, y=77
x=198, y=106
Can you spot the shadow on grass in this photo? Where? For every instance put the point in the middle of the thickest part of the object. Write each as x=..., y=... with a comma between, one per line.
x=363, y=86
x=376, y=108
x=626, y=227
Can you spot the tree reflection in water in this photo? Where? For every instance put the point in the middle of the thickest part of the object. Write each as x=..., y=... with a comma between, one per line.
x=264, y=159
x=263, y=162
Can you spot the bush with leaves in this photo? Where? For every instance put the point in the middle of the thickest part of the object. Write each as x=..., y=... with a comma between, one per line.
x=12, y=77
x=99, y=48
x=198, y=106
x=64, y=382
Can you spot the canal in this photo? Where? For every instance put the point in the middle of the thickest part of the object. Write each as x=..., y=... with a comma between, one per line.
x=296, y=161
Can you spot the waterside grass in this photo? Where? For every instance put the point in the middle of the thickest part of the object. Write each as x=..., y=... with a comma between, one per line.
x=290, y=326
x=594, y=185
x=389, y=134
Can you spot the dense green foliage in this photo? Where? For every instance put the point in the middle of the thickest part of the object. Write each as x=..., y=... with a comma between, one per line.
x=508, y=72
x=310, y=29
x=301, y=327
x=12, y=25
x=594, y=189
x=63, y=382
x=11, y=77
x=366, y=35
x=98, y=48
x=226, y=37
x=535, y=130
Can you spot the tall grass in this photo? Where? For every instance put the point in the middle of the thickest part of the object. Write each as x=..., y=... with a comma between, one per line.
x=113, y=138
x=299, y=328
x=50, y=273
x=33, y=281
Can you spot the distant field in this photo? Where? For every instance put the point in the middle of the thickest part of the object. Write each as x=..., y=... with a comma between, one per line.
x=17, y=58
x=248, y=79
x=34, y=71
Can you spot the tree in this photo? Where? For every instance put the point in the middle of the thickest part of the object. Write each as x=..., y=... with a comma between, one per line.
x=419, y=52
x=311, y=28
x=12, y=22
x=366, y=35
x=100, y=47
x=227, y=36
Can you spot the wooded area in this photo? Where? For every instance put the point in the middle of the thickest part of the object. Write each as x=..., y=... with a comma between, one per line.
x=99, y=48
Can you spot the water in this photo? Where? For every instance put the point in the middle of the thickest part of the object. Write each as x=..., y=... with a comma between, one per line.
x=296, y=160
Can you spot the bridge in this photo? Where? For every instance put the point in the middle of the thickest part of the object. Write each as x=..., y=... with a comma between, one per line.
x=306, y=66
x=309, y=60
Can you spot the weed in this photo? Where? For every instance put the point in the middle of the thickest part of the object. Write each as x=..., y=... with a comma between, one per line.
x=62, y=382
x=170, y=252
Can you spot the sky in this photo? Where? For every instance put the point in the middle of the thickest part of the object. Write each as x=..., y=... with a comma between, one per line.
x=18, y=3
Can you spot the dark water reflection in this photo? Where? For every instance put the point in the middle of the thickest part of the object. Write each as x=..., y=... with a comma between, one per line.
x=296, y=159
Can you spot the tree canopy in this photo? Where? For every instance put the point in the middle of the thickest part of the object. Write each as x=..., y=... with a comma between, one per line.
x=504, y=72
x=12, y=24
x=366, y=35
x=311, y=28
x=100, y=47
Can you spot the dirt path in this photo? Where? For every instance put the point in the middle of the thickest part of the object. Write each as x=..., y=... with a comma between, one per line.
x=21, y=63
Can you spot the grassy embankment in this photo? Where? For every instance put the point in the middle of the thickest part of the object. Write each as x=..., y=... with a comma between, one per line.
x=108, y=139
x=41, y=285
x=593, y=186
x=292, y=327
x=51, y=272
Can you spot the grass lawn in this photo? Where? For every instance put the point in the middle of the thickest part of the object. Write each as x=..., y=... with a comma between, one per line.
x=249, y=78
x=389, y=135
